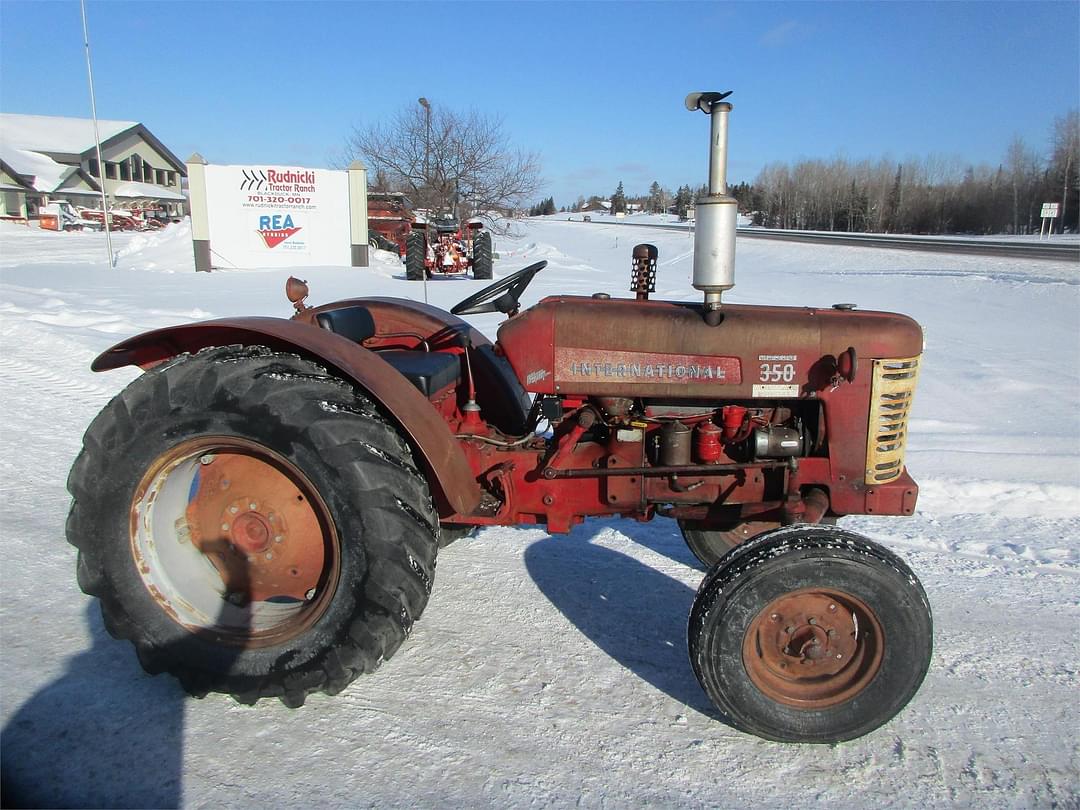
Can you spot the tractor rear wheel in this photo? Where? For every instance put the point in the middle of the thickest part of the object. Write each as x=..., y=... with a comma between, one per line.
x=415, y=256
x=481, y=250
x=252, y=525
x=810, y=634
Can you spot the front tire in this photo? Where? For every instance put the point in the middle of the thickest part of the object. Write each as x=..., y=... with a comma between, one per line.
x=810, y=634
x=252, y=525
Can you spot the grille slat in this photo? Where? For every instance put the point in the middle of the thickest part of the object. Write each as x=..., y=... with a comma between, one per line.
x=891, y=395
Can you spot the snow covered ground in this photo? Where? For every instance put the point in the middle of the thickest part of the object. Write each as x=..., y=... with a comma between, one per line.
x=553, y=670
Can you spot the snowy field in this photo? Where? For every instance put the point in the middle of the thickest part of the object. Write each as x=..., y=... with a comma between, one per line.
x=553, y=670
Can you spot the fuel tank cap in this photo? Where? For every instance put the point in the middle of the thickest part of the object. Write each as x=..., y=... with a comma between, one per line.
x=844, y=306
x=601, y=296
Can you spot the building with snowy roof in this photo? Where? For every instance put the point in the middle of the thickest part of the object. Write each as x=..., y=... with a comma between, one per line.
x=44, y=158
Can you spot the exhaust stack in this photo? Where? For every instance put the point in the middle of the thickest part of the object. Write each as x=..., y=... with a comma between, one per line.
x=717, y=212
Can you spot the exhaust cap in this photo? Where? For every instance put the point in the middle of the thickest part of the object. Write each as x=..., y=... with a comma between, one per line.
x=704, y=101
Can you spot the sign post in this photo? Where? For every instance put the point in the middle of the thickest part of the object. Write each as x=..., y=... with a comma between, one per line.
x=1049, y=212
x=200, y=217
x=358, y=214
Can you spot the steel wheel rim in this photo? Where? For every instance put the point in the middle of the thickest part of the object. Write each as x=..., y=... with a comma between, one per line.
x=813, y=648
x=233, y=541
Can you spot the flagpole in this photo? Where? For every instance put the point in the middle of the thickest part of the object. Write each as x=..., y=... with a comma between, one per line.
x=97, y=139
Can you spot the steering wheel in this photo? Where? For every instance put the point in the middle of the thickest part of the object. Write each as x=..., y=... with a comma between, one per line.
x=502, y=296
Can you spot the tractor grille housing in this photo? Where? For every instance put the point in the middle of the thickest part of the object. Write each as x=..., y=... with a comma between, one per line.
x=891, y=395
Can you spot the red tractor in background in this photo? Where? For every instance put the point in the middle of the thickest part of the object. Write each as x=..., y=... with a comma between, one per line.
x=260, y=512
x=445, y=247
x=435, y=245
x=390, y=219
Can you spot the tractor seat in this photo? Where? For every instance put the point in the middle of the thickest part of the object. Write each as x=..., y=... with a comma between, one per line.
x=430, y=372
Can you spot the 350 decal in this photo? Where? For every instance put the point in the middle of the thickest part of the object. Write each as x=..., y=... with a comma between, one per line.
x=777, y=372
x=263, y=198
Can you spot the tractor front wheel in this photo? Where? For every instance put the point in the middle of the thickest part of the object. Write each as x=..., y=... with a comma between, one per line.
x=252, y=525
x=810, y=634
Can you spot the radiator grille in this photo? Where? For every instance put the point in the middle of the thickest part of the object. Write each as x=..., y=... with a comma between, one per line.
x=891, y=395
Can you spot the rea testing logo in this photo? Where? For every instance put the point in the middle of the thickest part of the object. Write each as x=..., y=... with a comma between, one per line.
x=276, y=228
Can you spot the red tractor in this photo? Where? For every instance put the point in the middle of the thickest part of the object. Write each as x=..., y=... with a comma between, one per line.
x=259, y=513
x=445, y=247
x=390, y=219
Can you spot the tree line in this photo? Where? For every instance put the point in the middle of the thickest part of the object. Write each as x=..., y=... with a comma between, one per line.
x=929, y=195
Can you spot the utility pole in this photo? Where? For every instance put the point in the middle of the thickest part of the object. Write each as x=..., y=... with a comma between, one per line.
x=97, y=140
x=427, y=148
x=427, y=139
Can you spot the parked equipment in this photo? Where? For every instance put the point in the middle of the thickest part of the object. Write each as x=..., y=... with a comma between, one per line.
x=443, y=246
x=259, y=513
x=60, y=215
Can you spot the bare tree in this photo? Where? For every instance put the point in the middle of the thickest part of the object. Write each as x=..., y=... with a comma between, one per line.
x=448, y=162
x=1066, y=152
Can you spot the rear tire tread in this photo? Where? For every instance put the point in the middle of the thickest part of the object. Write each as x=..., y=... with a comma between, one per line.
x=399, y=573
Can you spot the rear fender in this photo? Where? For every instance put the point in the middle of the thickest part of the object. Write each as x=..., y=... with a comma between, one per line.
x=456, y=489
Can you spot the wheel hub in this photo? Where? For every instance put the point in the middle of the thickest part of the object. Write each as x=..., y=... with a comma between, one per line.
x=227, y=535
x=250, y=533
x=812, y=649
x=265, y=547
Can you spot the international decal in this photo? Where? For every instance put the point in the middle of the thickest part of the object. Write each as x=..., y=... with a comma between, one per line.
x=602, y=365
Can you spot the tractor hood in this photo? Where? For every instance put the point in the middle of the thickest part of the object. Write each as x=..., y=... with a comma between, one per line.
x=574, y=345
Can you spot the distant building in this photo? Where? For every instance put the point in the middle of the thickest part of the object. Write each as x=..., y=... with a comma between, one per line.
x=596, y=205
x=14, y=189
x=45, y=158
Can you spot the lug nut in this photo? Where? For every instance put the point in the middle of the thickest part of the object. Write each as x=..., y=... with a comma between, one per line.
x=775, y=617
x=278, y=538
x=789, y=629
x=832, y=608
x=206, y=459
x=311, y=595
x=253, y=506
x=269, y=555
x=234, y=509
x=224, y=527
x=811, y=620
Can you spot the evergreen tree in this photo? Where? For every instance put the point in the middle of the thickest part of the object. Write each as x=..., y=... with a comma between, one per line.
x=618, y=200
x=683, y=200
x=656, y=201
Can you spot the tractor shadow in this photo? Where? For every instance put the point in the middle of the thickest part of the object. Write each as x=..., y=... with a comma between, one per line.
x=103, y=734
x=635, y=614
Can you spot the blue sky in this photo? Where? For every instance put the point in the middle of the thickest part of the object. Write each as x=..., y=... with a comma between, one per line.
x=596, y=88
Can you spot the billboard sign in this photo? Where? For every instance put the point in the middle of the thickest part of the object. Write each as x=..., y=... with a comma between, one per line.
x=277, y=216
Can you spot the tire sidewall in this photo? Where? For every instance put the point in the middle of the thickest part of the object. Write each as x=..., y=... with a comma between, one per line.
x=906, y=645
x=136, y=451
